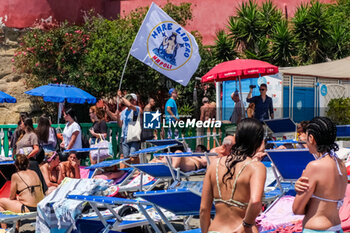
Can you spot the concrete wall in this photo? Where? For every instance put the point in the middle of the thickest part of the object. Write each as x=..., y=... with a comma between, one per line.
x=208, y=15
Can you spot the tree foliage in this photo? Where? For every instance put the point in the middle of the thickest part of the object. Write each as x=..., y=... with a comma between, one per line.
x=92, y=56
x=316, y=33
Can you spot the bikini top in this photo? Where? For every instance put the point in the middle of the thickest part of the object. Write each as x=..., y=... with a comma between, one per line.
x=334, y=156
x=30, y=188
x=231, y=201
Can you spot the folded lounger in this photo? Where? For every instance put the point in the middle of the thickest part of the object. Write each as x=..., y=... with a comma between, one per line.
x=281, y=126
x=288, y=166
x=183, y=201
x=115, y=221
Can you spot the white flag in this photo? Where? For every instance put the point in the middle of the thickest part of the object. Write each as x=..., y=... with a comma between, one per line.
x=166, y=46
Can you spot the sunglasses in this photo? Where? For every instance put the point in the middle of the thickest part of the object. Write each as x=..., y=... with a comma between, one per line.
x=262, y=89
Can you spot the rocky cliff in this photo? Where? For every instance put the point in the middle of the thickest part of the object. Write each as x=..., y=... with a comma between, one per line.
x=14, y=85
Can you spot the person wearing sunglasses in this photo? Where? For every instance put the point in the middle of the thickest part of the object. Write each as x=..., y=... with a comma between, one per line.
x=263, y=103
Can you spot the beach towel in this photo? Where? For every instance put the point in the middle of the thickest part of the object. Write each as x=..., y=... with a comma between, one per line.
x=279, y=216
x=58, y=214
x=84, y=173
x=344, y=212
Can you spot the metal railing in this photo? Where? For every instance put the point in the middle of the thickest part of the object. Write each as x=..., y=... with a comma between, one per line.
x=114, y=134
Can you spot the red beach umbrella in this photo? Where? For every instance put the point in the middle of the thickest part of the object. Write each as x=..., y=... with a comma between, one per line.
x=239, y=68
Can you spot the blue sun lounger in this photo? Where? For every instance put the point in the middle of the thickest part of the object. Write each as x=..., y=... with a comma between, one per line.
x=288, y=167
x=166, y=171
x=154, y=149
x=13, y=218
x=181, y=141
x=279, y=126
x=104, y=164
x=343, y=131
x=117, y=223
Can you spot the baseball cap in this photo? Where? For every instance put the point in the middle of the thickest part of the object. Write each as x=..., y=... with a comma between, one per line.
x=171, y=91
x=236, y=93
x=131, y=96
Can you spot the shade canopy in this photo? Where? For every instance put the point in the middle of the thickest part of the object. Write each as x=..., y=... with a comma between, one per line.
x=243, y=68
x=6, y=98
x=61, y=92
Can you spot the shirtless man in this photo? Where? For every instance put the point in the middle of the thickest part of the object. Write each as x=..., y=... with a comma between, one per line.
x=206, y=111
x=185, y=164
x=69, y=168
x=225, y=148
x=51, y=171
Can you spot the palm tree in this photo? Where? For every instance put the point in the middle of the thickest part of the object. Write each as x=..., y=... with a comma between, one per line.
x=338, y=45
x=310, y=27
x=270, y=15
x=224, y=48
x=261, y=50
x=283, y=45
x=246, y=27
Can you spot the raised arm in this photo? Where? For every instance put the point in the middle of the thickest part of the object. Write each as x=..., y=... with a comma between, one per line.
x=249, y=97
x=207, y=200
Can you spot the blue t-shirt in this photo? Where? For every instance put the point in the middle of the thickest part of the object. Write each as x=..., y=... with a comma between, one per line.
x=126, y=116
x=172, y=104
x=263, y=110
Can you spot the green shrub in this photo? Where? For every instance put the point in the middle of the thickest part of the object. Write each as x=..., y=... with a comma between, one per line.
x=339, y=111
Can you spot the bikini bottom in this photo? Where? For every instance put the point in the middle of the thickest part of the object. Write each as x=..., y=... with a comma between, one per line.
x=333, y=229
x=30, y=208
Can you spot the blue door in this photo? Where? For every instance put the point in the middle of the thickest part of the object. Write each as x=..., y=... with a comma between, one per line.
x=303, y=103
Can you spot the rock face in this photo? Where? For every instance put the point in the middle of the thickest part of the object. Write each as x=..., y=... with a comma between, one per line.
x=14, y=85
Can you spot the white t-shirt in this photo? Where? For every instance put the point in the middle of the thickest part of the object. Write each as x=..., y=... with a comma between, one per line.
x=67, y=135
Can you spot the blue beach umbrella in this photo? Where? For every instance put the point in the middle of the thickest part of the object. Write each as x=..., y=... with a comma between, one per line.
x=6, y=98
x=60, y=93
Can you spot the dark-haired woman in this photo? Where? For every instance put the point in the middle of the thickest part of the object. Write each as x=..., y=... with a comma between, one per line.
x=321, y=188
x=28, y=144
x=98, y=130
x=72, y=132
x=46, y=134
x=51, y=171
x=18, y=132
x=26, y=191
x=235, y=184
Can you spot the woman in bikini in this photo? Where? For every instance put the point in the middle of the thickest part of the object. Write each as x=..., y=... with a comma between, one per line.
x=321, y=188
x=69, y=168
x=51, y=171
x=26, y=191
x=235, y=184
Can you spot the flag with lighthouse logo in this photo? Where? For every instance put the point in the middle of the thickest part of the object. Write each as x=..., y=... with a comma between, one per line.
x=166, y=46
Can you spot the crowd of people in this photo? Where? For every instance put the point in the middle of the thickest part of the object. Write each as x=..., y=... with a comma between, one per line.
x=235, y=178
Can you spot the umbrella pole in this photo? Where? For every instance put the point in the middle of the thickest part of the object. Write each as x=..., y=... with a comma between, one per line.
x=240, y=95
x=218, y=102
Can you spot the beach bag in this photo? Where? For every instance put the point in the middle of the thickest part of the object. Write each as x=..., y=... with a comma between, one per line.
x=134, y=129
x=102, y=153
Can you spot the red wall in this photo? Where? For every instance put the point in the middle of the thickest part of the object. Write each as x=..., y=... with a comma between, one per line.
x=208, y=16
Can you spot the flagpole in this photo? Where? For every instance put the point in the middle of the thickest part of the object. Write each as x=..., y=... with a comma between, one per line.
x=126, y=62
